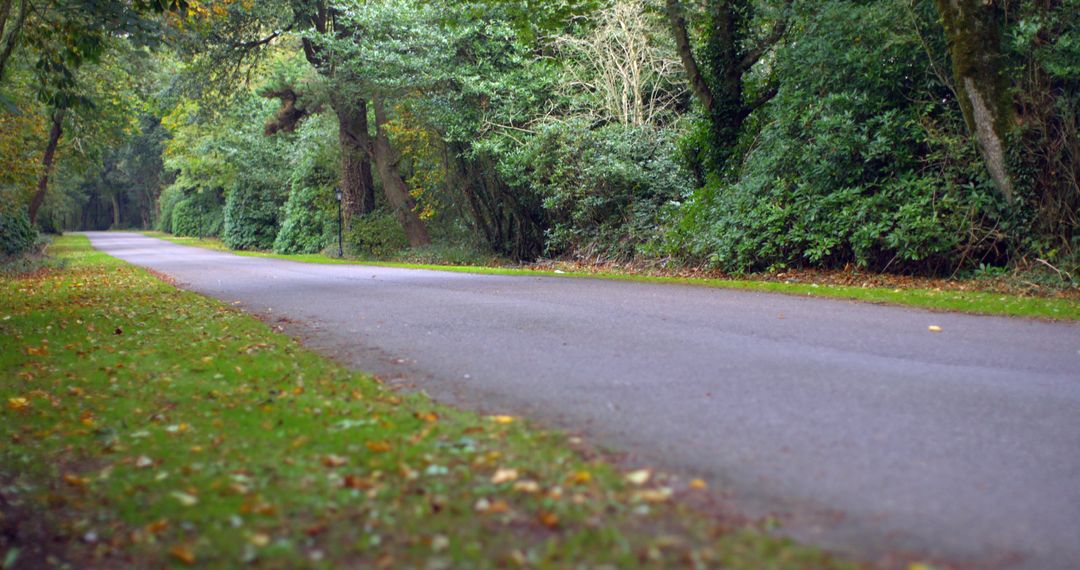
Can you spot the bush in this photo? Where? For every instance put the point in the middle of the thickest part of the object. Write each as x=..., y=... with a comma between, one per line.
x=251, y=216
x=377, y=234
x=199, y=215
x=309, y=221
x=168, y=200
x=310, y=224
x=17, y=236
x=862, y=173
x=603, y=189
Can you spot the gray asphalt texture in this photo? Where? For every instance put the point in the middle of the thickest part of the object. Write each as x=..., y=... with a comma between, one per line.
x=863, y=431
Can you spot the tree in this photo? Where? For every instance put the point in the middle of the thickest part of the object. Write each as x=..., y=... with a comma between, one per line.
x=974, y=32
x=718, y=71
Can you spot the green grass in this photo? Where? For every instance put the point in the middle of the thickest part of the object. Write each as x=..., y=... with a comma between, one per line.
x=977, y=302
x=144, y=426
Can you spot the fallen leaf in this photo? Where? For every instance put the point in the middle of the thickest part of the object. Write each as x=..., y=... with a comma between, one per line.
x=504, y=475
x=157, y=526
x=378, y=446
x=653, y=495
x=185, y=499
x=75, y=480
x=354, y=482
x=503, y=419
x=18, y=404
x=581, y=478
x=933, y=328
x=698, y=484
x=429, y=417
x=183, y=553
x=334, y=461
x=527, y=487
x=259, y=539
x=639, y=477
x=550, y=520
x=143, y=462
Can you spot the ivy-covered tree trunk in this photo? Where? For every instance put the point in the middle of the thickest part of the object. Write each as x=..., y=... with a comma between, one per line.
x=55, y=133
x=397, y=192
x=357, y=184
x=973, y=29
x=717, y=71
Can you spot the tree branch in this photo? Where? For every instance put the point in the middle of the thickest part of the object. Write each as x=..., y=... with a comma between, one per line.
x=263, y=41
x=778, y=31
x=686, y=54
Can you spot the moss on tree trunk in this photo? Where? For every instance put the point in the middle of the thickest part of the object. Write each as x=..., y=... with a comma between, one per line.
x=973, y=29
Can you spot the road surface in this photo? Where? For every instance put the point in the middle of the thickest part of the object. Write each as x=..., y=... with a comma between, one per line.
x=867, y=432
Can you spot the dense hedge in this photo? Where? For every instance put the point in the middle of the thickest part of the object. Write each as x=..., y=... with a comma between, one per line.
x=377, y=234
x=17, y=236
x=310, y=222
x=603, y=189
x=251, y=216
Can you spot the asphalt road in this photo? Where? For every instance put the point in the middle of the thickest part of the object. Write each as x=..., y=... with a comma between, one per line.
x=864, y=430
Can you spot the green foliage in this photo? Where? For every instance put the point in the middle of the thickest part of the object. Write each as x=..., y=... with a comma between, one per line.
x=857, y=173
x=309, y=220
x=251, y=216
x=377, y=234
x=309, y=224
x=602, y=188
x=17, y=236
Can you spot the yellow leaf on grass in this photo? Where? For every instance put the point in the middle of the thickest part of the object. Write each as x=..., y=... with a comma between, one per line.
x=581, y=478
x=334, y=460
x=527, y=487
x=75, y=480
x=550, y=520
x=503, y=419
x=378, y=446
x=18, y=404
x=427, y=416
x=504, y=475
x=183, y=554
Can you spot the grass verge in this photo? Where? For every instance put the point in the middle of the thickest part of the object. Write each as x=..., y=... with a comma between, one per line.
x=964, y=301
x=145, y=426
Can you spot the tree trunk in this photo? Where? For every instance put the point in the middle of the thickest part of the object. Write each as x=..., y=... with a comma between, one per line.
x=357, y=185
x=115, y=211
x=55, y=133
x=973, y=29
x=397, y=193
x=10, y=39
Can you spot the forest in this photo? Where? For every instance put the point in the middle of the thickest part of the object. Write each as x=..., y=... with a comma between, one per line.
x=921, y=137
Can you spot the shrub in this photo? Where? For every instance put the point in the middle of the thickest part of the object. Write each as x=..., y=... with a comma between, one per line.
x=861, y=173
x=310, y=223
x=603, y=189
x=251, y=216
x=377, y=234
x=198, y=215
x=17, y=236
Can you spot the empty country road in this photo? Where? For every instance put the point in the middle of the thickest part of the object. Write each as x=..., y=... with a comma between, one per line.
x=866, y=432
